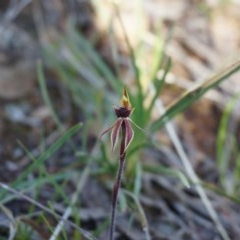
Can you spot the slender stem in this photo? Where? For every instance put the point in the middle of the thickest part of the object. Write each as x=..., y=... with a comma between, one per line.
x=117, y=182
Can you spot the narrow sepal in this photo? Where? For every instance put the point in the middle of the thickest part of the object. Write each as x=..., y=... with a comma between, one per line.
x=115, y=132
x=129, y=133
x=136, y=125
x=109, y=129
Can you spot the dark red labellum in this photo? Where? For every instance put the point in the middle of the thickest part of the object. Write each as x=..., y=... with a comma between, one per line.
x=122, y=112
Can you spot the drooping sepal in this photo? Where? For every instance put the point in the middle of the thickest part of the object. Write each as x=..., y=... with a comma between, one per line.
x=109, y=129
x=115, y=132
x=129, y=133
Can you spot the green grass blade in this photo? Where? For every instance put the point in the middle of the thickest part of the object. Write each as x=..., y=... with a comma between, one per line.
x=158, y=85
x=237, y=176
x=94, y=58
x=26, y=186
x=46, y=98
x=49, y=177
x=138, y=179
x=49, y=152
x=46, y=209
x=220, y=192
x=191, y=173
x=223, y=139
x=169, y=172
x=195, y=93
x=141, y=213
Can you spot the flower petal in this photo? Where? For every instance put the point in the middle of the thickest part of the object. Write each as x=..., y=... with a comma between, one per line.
x=103, y=133
x=129, y=133
x=115, y=132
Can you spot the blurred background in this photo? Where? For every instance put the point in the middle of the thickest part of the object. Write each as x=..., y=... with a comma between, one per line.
x=63, y=65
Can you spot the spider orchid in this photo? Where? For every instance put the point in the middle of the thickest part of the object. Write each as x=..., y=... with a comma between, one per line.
x=123, y=124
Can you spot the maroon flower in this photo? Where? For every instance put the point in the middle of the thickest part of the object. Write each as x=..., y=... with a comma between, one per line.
x=122, y=124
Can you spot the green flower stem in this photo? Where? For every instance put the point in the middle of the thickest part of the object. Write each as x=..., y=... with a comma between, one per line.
x=118, y=182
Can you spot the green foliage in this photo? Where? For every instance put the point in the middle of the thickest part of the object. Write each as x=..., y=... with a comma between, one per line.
x=227, y=149
x=45, y=95
x=192, y=95
x=49, y=152
x=24, y=232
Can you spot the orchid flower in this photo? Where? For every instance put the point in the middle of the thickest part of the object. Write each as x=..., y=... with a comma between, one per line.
x=123, y=126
